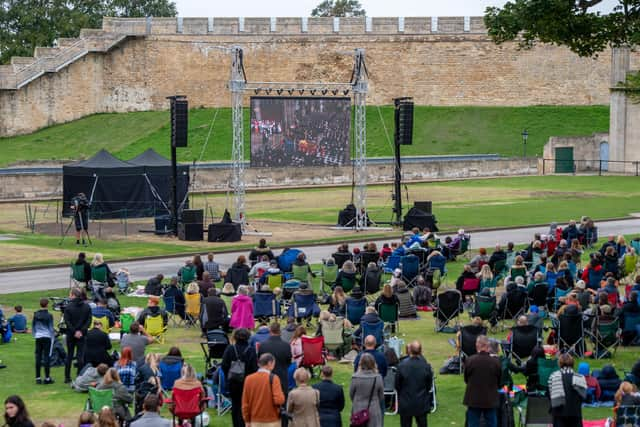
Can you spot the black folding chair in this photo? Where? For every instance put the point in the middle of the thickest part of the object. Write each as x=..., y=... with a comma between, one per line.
x=468, y=336
x=448, y=308
x=523, y=340
x=571, y=334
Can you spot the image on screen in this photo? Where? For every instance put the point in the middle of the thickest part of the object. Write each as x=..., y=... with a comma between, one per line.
x=300, y=131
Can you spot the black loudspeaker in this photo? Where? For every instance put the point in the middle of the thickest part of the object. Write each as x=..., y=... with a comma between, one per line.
x=179, y=122
x=403, y=121
x=163, y=224
x=423, y=206
x=190, y=232
x=193, y=216
x=225, y=232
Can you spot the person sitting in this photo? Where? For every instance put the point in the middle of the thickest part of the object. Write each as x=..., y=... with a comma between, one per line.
x=301, y=261
x=113, y=304
x=151, y=415
x=154, y=285
x=121, y=396
x=385, y=252
x=261, y=335
x=407, y=305
x=611, y=241
x=498, y=255
x=227, y=294
x=89, y=377
x=370, y=348
x=213, y=268
x=564, y=271
x=479, y=260
x=216, y=311
x=259, y=268
x=18, y=322
x=370, y=317
x=242, y=310
x=609, y=382
x=530, y=369
x=455, y=244
x=347, y=275
x=518, y=269
x=342, y=254
x=261, y=250
x=98, y=264
x=86, y=267
x=538, y=279
x=101, y=310
x=570, y=232
x=467, y=273
x=387, y=296
x=629, y=308
x=436, y=260
x=626, y=395
x=238, y=273
x=272, y=270
x=205, y=284
x=127, y=369
x=422, y=294
x=611, y=261
x=371, y=279
x=512, y=293
x=593, y=386
x=153, y=309
x=179, y=302
x=189, y=381
x=97, y=346
x=337, y=302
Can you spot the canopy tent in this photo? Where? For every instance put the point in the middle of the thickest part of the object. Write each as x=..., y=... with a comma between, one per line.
x=117, y=189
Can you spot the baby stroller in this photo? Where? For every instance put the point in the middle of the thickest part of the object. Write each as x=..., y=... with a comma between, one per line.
x=123, y=281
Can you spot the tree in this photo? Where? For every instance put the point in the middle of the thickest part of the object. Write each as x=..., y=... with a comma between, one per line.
x=338, y=8
x=570, y=23
x=26, y=24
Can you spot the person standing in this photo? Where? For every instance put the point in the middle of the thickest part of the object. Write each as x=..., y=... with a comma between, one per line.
x=367, y=390
x=567, y=390
x=77, y=317
x=262, y=395
x=281, y=351
x=413, y=382
x=240, y=351
x=482, y=374
x=97, y=346
x=303, y=401
x=331, y=399
x=44, y=334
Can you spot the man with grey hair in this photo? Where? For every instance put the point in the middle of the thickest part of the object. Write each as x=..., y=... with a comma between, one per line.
x=482, y=374
x=413, y=383
x=498, y=256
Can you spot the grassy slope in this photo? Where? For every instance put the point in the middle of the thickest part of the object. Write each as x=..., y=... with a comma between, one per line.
x=58, y=403
x=437, y=130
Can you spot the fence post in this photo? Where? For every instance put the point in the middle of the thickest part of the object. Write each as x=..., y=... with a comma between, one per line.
x=600, y=167
x=636, y=168
x=544, y=166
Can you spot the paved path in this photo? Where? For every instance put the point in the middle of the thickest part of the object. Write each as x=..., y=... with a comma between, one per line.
x=55, y=278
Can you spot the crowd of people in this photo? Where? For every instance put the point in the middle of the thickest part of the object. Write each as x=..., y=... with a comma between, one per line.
x=262, y=370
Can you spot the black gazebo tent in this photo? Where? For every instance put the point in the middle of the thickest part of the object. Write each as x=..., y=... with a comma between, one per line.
x=117, y=189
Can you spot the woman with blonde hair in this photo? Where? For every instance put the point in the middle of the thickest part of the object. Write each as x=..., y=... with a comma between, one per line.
x=302, y=403
x=189, y=381
x=121, y=396
x=227, y=295
x=100, y=271
x=387, y=296
x=485, y=273
x=627, y=395
x=337, y=303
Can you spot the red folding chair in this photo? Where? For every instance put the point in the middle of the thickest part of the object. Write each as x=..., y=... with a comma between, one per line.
x=313, y=353
x=186, y=404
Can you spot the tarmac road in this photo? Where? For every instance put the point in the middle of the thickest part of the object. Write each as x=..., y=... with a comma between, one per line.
x=58, y=277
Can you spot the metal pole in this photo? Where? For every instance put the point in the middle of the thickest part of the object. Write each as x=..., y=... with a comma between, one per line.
x=600, y=167
x=360, y=87
x=174, y=190
x=237, y=85
x=398, y=185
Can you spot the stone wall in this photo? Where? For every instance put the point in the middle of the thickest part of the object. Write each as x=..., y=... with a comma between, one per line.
x=438, y=61
x=586, y=152
x=49, y=184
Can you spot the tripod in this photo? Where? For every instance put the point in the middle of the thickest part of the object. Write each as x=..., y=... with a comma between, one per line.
x=82, y=228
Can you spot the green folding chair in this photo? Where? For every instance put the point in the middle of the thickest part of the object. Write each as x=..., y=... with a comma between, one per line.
x=77, y=275
x=328, y=276
x=126, y=320
x=546, y=367
x=99, y=274
x=187, y=275
x=98, y=399
x=389, y=314
x=348, y=284
x=301, y=273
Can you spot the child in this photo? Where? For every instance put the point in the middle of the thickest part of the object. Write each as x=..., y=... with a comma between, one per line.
x=18, y=321
x=44, y=335
x=593, y=386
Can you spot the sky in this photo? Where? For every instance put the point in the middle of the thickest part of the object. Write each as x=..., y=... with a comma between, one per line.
x=295, y=8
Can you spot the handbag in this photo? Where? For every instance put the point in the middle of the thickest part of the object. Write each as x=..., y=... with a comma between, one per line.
x=361, y=418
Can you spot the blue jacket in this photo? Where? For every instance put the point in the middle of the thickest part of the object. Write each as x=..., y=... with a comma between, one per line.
x=42, y=325
x=18, y=322
x=380, y=361
x=331, y=403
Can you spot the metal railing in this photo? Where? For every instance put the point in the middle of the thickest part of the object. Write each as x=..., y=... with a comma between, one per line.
x=597, y=166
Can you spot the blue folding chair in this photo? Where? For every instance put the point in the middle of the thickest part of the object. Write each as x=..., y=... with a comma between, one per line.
x=393, y=262
x=355, y=309
x=410, y=265
x=375, y=329
x=595, y=277
x=439, y=263
x=304, y=306
x=265, y=305
x=558, y=293
x=170, y=373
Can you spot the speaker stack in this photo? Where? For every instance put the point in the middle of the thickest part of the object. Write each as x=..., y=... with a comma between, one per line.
x=191, y=226
x=403, y=121
x=179, y=121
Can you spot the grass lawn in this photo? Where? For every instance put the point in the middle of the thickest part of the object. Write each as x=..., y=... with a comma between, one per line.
x=437, y=130
x=483, y=203
x=59, y=404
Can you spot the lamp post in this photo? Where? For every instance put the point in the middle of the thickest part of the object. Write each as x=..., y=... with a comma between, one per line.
x=525, y=136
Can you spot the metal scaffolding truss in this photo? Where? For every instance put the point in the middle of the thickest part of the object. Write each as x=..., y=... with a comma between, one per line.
x=358, y=86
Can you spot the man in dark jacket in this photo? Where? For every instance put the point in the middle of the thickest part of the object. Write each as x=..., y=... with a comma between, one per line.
x=331, y=399
x=282, y=353
x=482, y=374
x=77, y=318
x=97, y=346
x=496, y=256
x=370, y=347
x=413, y=382
x=154, y=285
x=217, y=315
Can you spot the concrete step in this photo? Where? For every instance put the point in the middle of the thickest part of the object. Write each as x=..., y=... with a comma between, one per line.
x=20, y=62
x=91, y=32
x=46, y=52
x=66, y=42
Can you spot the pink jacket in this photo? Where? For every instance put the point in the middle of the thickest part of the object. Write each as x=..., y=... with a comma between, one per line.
x=242, y=312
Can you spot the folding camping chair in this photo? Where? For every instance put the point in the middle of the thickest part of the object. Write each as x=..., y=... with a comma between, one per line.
x=187, y=275
x=355, y=309
x=390, y=391
x=193, y=309
x=333, y=333
x=538, y=413
x=187, y=405
x=328, y=275
x=491, y=284
x=126, y=319
x=104, y=320
x=341, y=257
x=154, y=326
x=99, y=280
x=410, y=265
x=465, y=244
x=571, y=334
x=98, y=399
x=539, y=295
x=170, y=308
x=275, y=280
x=631, y=322
x=523, y=340
x=606, y=337
x=500, y=268
x=485, y=307
x=389, y=313
x=514, y=307
x=448, y=308
x=301, y=273
x=347, y=283
x=558, y=293
x=289, y=288
x=375, y=329
x=265, y=306
x=627, y=416
x=393, y=262
x=169, y=373
x=546, y=367
x=470, y=286
x=77, y=275
x=304, y=307
x=468, y=336
x=312, y=352
x=214, y=347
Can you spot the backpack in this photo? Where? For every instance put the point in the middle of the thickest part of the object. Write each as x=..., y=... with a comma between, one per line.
x=237, y=371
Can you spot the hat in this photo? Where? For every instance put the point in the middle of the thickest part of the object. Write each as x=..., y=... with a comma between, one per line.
x=584, y=368
x=581, y=285
x=534, y=309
